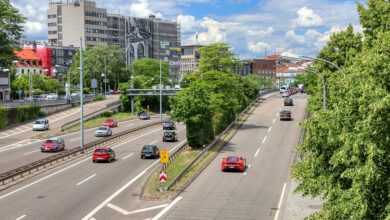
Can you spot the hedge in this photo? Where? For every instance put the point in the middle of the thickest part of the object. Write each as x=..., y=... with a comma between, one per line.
x=3, y=117
x=25, y=113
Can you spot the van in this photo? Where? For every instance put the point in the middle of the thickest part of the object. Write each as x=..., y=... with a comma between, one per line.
x=283, y=89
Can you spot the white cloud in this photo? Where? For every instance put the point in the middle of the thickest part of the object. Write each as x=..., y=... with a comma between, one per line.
x=260, y=33
x=258, y=47
x=291, y=35
x=307, y=18
x=142, y=9
x=187, y=23
x=289, y=53
x=216, y=32
x=34, y=27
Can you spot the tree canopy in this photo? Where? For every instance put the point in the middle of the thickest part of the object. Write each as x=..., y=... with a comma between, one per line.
x=217, y=57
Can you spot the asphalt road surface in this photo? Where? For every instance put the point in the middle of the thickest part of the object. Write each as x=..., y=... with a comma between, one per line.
x=75, y=190
x=23, y=132
x=269, y=145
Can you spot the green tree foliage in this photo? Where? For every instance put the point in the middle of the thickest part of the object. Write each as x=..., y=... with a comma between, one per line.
x=98, y=59
x=310, y=80
x=40, y=83
x=346, y=153
x=10, y=31
x=217, y=57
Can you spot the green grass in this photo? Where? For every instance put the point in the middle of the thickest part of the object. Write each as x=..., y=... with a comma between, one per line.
x=96, y=122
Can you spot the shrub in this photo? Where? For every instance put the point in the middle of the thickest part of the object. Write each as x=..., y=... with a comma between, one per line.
x=107, y=113
x=99, y=98
x=3, y=117
x=25, y=113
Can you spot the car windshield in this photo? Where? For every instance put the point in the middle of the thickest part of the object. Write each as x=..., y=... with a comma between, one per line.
x=51, y=141
x=103, y=128
x=285, y=111
x=168, y=123
x=144, y=114
x=232, y=159
x=100, y=150
x=39, y=122
x=109, y=120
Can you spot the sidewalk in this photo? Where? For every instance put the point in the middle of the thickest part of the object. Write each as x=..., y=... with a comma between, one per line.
x=299, y=207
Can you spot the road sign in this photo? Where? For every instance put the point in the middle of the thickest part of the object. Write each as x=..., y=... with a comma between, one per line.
x=20, y=91
x=163, y=177
x=164, y=156
x=93, y=83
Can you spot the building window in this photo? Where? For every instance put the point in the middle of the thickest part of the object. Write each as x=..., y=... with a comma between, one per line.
x=95, y=14
x=98, y=23
x=52, y=32
x=59, y=20
x=59, y=28
x=51, y=16
x=52, y=24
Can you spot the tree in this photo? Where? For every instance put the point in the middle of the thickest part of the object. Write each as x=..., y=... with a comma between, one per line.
x=346, y=149
x=11, y=30
x=217, y=57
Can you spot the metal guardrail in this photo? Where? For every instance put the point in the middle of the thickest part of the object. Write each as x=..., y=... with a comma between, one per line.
x=216, y=140
x=90, y=115
x=28, y=169
x=61, y=101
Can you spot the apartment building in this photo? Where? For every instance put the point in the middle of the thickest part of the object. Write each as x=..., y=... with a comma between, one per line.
x=189, y=61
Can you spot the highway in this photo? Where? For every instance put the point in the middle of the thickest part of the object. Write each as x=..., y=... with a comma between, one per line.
x=260, y=192
x=17, y=155
x=24, y=133
x=73, y=190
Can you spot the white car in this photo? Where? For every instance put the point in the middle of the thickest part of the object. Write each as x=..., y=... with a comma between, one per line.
x=52, y=96
x=103, y=131
x=41, y=125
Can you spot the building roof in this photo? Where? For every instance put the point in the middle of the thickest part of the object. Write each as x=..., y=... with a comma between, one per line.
x=26, y=54
x=273, y=57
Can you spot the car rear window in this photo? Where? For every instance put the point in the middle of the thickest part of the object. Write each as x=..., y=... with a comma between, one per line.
x=103, y=128
x=148, y=148
x=109, y=120
x=39, y=122
x=232, y=159
x=100, y=150
x=51, y=141
x=168, y=134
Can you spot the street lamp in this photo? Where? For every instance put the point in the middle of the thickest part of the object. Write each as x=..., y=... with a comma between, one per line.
x=105, y=83
x=160, y=92
x=323, y=89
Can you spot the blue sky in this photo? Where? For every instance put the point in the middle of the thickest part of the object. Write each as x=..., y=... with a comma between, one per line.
x=250, y=27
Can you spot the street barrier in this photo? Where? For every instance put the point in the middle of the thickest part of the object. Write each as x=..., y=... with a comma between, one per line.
x=28, y=169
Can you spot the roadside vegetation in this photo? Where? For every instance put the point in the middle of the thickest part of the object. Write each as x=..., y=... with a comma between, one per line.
x=346, y=150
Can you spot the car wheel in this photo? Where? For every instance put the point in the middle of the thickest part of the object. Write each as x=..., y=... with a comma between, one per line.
x=93, y=161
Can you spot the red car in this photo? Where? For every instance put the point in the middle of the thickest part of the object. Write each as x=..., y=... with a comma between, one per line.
x=233, y=163
x=103, y=154
x=53, y=145
x=110, y=122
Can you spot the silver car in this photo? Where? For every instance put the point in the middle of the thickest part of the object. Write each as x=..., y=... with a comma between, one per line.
x=41, y=125
x=103, y=131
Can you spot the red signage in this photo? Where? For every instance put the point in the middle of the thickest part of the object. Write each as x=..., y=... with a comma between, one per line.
x=163, y=177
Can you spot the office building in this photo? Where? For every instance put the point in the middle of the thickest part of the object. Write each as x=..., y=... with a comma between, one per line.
x=189, y=61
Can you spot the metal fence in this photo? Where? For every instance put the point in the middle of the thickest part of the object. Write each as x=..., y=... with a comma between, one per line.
x=43, y=103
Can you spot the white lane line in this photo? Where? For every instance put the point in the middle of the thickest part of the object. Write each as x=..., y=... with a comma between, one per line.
x=129, y=125
x=153, y=142
x=160, y=214
x=16, y=145
x=247, y=169
x=21, y=217
x=74, y=139
x=124, y=212
x=265, y=138
x=127, y=156
x=277, y=114
x=78, y=184
x=280, y=202
x=273, y=122
x=109, y=199
x=257, y=152
x=92, y=218
x=269, y=129
x=19, y=129
x=31, y=152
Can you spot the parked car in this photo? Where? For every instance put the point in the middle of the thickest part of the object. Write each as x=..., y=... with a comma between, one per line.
x=169, y=125
x=288, y=102
x=103, y=131
x=41, y=125
x=144, y=116
x=170, y=136
x=285, y=115
x=110, y=122
x=150, y=151
x=103, y=154
x=285, y=94
x=53, y=145
x=52, y=96
x=233, y=163
x=283, y=89
x=116, y=92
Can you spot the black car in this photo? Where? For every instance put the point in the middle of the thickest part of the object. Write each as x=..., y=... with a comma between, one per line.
x=170, y=136
x=144, y=116
x=150, y=151
x=288, y=102
x=285, y=115
x=169, y=125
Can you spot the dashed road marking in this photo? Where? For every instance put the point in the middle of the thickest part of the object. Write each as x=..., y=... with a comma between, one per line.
x=78, y=184
x=257, y=152
x=127, y=156
x=247, y=169
x=153, y=142
x=74, y=139
x=265, y=138
x=21, y=217
x=269, y=129
x=31, y=152
x=280, y=202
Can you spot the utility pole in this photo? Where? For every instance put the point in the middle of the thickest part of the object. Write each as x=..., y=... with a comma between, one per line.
x=160, y=92
x=105, y=76
x=81, y=96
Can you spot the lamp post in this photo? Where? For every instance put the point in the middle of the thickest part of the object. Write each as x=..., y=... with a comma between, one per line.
x=132, y=97
x=323, y=89
x=160, y=92
x=81, y=96
x=105, y=82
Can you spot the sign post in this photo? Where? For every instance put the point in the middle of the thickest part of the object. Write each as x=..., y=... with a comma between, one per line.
x=164, y=159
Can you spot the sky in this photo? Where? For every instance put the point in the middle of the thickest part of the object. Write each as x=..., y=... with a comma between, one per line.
x=253, y=28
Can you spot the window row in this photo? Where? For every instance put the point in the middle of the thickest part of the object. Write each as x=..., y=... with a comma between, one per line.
x=99, y=23
x=52, y=24
x=97, y=39
x=51, y=16
x=52, y=32
x=96, y=31
x=95, y=14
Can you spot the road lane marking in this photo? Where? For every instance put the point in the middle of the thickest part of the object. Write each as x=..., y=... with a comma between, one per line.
x=277, y=114
x=247, y=169
x=269, y=129
x=280, y=202
x=257, y=152
x=153, y=142
x=21, y=217
x=160, y=214
x=124, y=212
x=74, y=139
x=17, y=145
x=78, y=184
x=127, y=156
x=273, y=122
x=265, y=138
x=109, y=199
x=31, y=152
x=19, y=129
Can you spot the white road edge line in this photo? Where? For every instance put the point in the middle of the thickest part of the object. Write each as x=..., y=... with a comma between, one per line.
x=273, y=122
x=247, y=169
x=265, y=138
x=277, y=114
x=74, y=139
x=160, y=214
x=78, y=184
x=31, y=152
x=280, y=202
x=257, y=152
x=269, y=129
x=127, y=156
x=21, y=217
x=109, y=199
x=124, y=212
